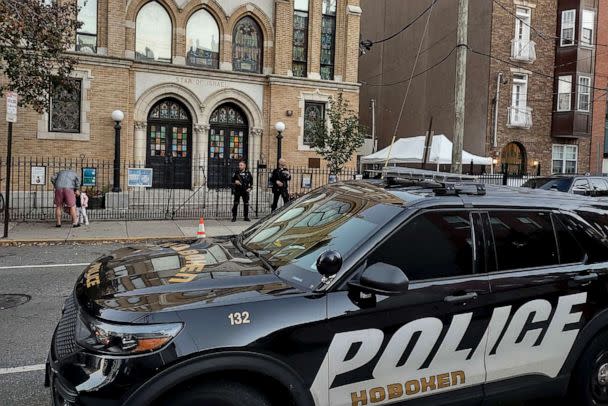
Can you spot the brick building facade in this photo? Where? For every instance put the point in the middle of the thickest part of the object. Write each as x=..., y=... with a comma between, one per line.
x=530, y=79
x=201, y=83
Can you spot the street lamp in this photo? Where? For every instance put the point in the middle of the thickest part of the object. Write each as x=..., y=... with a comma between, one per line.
x=117, y=117
x=280, y=127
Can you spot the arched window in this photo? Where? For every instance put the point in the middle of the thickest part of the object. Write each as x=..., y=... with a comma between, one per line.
x=203, y=40
x=247, y=46
x=153, y=32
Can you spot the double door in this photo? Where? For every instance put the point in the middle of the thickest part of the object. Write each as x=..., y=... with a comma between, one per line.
x=170, y=155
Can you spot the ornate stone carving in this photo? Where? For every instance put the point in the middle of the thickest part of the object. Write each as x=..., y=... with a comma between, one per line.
x=256, y=132
x=201, y=128
x=141, y=125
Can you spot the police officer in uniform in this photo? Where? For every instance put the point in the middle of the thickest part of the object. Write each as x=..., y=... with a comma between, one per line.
x=280, y=184
x=242, y=182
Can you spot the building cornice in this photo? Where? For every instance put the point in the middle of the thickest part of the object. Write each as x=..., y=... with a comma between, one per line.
x=308, y=83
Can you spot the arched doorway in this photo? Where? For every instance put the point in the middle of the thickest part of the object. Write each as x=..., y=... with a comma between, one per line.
x=228, y=135
x=513, y=159
x=169, y=146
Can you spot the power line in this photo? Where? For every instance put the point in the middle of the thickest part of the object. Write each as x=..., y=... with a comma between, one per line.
x=367, y=44
x=530, y=70
x=542, y=34
x=442, y=60
x=407, y=91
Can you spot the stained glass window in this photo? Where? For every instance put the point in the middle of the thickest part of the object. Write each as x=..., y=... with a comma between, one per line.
x=300, y=38
x=313, y=112
x=169, y=110
x=216, y=143
x=86, y=36
x=65, y=107
x=328, y=39
x=158, y=138
x=237, y=144
x=227, y=115
x=203, y=40
x=247, y=46
x=153, y=33
x=179, y=142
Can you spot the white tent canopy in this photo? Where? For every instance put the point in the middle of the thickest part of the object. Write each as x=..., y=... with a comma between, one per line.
x=411, y=151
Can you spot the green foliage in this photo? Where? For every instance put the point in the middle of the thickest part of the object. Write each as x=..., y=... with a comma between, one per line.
x=34, y=38
x=338, y=140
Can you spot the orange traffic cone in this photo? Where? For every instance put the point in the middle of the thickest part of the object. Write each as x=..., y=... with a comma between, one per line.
x=201, y=229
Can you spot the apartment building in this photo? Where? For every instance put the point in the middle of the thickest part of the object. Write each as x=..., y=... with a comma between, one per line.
x=530, y=79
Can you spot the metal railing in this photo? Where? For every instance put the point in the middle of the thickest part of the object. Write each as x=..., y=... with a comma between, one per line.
x=32, y=193
x=520, y=117
x=523, y=50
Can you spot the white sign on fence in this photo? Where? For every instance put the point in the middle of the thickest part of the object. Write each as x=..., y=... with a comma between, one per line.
x=38, y=175
x=139, y=177
x=11, y=107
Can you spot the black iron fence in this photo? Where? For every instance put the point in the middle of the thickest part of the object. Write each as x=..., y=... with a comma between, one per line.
x=32, y=193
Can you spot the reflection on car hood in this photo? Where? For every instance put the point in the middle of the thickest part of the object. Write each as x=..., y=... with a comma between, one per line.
x=148, y=279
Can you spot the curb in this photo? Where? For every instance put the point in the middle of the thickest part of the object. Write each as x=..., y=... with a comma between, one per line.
x=92, y=241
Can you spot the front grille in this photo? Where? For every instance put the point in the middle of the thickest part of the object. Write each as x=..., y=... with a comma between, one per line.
x=65, y=335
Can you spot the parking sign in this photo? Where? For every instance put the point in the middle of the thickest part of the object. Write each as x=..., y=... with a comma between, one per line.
x=11, y=107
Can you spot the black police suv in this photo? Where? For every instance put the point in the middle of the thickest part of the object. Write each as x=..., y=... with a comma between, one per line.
x=356, y=294
x=595, y=186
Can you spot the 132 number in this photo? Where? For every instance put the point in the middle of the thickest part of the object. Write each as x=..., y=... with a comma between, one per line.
x=239, y=318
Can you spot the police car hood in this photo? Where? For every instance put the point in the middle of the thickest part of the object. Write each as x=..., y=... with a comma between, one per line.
x=175, y=276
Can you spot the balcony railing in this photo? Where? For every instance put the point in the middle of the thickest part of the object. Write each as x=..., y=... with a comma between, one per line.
x=520, y=117
x=523, y=50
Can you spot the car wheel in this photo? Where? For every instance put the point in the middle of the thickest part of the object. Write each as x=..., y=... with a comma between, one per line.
x=590, y=377
x=218, y=393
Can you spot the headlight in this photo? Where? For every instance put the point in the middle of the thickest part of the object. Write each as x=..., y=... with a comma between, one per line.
x=117, y=339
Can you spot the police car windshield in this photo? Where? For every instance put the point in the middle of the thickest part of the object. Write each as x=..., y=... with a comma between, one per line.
x=291, y=240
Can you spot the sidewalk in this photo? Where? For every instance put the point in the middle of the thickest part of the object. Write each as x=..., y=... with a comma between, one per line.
x=118, y=231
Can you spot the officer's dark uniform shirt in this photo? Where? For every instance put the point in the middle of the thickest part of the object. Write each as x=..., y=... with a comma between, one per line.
x=245, y=178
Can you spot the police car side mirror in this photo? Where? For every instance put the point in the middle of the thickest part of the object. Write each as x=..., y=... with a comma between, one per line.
x=383, y=279
x=329, y=263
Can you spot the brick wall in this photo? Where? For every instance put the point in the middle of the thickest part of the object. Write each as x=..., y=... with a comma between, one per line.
x=600, y=82
x=537, y=140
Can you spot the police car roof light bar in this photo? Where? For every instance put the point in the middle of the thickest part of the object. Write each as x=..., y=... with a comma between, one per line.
x=413, y=175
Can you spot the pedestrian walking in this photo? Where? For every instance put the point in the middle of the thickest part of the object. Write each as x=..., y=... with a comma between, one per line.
x=242, y=182
x=82, y=202
x=279, y=179
x=64, y=183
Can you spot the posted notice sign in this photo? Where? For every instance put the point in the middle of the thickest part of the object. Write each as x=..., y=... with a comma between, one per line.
x=11, y=107
x=139, y=177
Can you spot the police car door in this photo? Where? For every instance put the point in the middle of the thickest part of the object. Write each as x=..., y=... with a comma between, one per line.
x=419, y=343
x=537, y=289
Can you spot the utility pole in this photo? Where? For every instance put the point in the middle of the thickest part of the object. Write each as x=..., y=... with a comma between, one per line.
x=373, y=108
x=461, y=85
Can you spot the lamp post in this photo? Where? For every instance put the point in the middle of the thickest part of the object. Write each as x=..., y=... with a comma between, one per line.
x=280, y=127
x=117, y=116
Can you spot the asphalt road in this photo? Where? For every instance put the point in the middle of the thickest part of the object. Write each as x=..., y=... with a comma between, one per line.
x=26, y=330
x=47, y=275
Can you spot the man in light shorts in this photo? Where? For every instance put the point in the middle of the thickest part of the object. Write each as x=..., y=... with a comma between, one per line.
x=65, y=182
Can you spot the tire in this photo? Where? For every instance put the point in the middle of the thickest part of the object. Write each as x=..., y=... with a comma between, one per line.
x=588, y=387
x=218, y=393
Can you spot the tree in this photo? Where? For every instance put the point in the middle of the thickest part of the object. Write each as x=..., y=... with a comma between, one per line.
x=34, y=38
x=337, y=140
